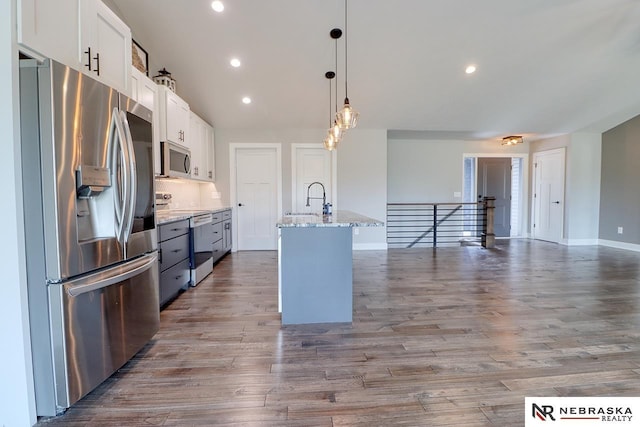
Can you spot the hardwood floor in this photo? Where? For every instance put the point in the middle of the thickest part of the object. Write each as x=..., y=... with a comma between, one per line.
x=453, y=336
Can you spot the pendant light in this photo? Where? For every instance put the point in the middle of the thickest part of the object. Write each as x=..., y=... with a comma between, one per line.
x=330, y=142
x=347, y=117
x=335, y=129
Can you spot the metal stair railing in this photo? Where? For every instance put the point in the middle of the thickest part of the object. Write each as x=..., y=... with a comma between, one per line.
x=440, y=224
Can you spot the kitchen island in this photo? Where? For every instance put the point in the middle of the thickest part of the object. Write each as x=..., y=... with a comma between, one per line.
x=315, y=267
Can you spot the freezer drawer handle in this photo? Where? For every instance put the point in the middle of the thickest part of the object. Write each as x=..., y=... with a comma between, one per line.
x=104, y=279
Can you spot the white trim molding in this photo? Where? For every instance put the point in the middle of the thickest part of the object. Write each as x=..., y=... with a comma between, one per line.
x=620, y=245
x=370, y=247
x=580, y=242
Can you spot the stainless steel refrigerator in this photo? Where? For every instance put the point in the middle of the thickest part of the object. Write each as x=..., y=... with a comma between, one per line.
x=87, y=161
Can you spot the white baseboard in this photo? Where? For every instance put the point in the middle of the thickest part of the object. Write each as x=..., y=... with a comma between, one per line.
x=369, y=246
x=580, y=242
x=620, y=245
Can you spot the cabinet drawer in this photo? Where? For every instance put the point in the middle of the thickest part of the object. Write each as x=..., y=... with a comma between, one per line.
x=217, y=231
x=226, y=214
x=217, y=217
x=173, y=251
x=218, y=249
x=171, y=230
x=174, y=279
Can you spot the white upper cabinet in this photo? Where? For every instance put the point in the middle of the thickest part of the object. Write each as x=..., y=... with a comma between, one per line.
x=201, y=141
x=145, y=91
x=83, y=34
x=105, y=45
x=50, y=29
x=211, y=158
x=174, y=117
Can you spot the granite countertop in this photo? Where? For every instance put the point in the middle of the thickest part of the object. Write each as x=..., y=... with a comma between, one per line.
x=164, y=216
x=337, y=219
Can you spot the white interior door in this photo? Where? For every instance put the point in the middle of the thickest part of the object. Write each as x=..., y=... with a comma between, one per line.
x=548, y=195
x=311, y=163
x=257, y=197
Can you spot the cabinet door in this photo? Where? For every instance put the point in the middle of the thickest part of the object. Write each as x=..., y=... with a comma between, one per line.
x=211, y=158
x=105, y=45
x=50, y=29
x=145, y=91
x=226, y=236
x=177, y=118
x=195, y=142
x=135, y=84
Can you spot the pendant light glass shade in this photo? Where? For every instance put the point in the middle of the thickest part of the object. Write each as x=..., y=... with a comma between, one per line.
x=347, y=118
x=330, y=142
x=336, y=131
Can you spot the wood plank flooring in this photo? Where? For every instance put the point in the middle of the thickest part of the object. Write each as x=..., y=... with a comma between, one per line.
x=446, y=337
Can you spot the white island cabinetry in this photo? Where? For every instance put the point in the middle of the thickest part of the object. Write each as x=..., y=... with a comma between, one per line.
x=315, y=267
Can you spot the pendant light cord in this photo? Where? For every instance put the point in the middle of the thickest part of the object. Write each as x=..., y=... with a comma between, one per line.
x=330, y=124
x=346, y=50
x=336, y=68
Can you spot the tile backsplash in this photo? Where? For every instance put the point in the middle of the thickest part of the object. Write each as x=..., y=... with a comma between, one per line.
x=187, y=194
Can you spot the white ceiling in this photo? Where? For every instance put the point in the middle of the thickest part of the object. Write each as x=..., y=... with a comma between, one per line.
x=544, y=66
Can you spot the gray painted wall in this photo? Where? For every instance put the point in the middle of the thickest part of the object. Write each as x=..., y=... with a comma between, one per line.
x=620, y=184
x=431, y=170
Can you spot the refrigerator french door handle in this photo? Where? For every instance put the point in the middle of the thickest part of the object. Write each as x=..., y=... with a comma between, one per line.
x=126, y=184
x=131, y=202
x=110, y=277
x=116, y=153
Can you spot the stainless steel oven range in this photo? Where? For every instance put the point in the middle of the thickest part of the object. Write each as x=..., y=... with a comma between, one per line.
x=201, y=246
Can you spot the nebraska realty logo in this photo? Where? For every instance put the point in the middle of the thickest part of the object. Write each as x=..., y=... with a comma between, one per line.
x=582, y=411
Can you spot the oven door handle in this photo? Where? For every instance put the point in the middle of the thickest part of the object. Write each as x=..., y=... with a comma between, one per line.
x=203, y=221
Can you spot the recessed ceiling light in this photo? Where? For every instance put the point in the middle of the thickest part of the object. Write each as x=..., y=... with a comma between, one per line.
x=246, y=100
x=235, y=62
x=217, y=6
x=470, y=69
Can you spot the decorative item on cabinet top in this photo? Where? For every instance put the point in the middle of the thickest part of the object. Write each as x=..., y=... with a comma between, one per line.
x=139, y=57
x=164, y=78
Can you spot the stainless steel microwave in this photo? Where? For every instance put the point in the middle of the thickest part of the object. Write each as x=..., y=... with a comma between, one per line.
x=176, y=160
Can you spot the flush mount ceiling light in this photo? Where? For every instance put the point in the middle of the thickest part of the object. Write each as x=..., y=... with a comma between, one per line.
x=470, y=69
x=217, y=6
x=235, y=62
x=246, y=100
x=347, y=118
x=512, y=140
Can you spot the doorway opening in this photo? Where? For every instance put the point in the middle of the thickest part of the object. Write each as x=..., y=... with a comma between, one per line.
x=504, y=177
